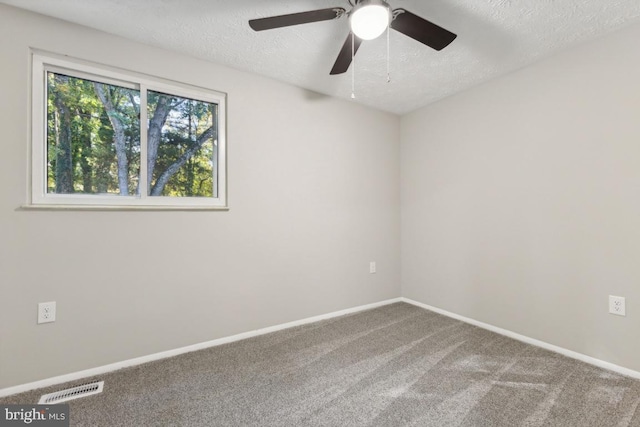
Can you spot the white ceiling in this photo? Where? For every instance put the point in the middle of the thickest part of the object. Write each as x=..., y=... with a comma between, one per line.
x=494, y=38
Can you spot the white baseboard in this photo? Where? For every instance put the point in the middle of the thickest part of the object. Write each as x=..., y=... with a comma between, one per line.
x=569, y=353
x=175, y=352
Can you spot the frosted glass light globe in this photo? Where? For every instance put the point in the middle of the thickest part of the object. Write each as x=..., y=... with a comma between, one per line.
x=369, y=19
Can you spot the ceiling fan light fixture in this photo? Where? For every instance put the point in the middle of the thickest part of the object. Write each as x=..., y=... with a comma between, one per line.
x=369, y=19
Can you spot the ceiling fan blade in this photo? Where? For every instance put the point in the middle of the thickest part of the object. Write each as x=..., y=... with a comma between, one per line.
x=296, y=18
x=344, y=57
x=421, y=30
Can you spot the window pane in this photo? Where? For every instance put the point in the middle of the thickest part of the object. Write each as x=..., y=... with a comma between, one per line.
x=93, y=142
x=182, y=146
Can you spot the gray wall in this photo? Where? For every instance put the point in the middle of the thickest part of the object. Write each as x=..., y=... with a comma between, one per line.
x=314, y=196
x=521, y=200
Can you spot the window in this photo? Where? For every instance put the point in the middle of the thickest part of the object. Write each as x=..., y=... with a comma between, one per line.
x=105, y=138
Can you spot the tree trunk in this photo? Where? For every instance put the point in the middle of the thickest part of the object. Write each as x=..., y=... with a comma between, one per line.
x=85, y=166
x=210, y=133
x=64, y=160
x=118, y=138
x=155, y=133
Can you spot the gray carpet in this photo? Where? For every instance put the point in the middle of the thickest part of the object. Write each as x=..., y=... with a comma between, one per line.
x=397, y=365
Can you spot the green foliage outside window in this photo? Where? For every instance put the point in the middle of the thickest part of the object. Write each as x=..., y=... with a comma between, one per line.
x=94, y=147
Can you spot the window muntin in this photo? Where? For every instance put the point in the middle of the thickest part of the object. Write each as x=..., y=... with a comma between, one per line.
x=89, y=147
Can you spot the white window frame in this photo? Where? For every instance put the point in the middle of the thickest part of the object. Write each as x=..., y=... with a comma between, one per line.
x=39, y=197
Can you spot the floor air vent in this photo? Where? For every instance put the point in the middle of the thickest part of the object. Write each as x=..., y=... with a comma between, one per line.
x=72, y=393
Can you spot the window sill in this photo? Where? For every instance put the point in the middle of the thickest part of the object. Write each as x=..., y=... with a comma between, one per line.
x=52, y=207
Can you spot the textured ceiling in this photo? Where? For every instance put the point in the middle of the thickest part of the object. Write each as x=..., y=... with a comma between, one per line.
x=494, y=38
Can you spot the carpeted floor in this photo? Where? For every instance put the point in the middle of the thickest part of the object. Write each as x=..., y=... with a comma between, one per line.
x=398, y=365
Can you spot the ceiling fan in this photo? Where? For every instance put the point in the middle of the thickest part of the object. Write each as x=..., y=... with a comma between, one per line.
x=368, y=19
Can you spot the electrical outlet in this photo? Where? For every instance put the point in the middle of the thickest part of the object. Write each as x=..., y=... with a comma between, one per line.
x=617, y=305
x=372, y=267
x=47, y=312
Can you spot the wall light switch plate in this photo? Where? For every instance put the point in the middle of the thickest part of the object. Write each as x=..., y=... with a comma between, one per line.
x=372, y=267
x=617, y=305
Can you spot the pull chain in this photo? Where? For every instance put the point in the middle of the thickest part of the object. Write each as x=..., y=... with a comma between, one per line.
x=388, y=60
x=353, y=66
